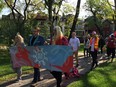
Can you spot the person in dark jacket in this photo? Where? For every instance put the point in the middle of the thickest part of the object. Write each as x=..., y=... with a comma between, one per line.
x=101, y=44
x=36, y=40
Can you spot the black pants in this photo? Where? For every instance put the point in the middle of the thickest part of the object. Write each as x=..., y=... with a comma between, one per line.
x=36, y=76
x=94, y=58
x=86, y=52
x=111, y=51
x=101, y=48
x=58, y=76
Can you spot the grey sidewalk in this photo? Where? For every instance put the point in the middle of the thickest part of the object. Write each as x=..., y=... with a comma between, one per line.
x=49, y=81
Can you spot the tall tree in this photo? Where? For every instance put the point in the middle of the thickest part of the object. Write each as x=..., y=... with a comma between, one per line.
x=67, y=9
x=94, y=9
x=100, y=10
x=115, y=14
x=113, y=8
x=22, y=10
x=51, y=6
x=75, y=18
x=19, y=14
x=1, y=5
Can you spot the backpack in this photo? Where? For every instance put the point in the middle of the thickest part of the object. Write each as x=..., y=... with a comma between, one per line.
x=73, y=73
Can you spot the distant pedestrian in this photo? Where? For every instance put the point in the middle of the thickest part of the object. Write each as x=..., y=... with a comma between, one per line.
x=101, y=43
x=94, y=49
x=74, y=42
x=87, y=46
x=111, y=43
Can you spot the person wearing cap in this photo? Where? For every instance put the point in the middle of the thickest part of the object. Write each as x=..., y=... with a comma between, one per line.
x=111, y=43
x=94, y=40
x=36, y=40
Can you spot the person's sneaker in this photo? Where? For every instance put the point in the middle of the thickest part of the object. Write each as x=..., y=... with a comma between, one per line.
x=40, y=79
x=33, y=82
x=19, y=79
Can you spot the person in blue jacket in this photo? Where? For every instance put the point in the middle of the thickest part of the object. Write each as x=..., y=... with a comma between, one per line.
x=36, y=40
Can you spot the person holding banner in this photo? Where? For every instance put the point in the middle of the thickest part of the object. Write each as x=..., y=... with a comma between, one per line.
x=59, y=39
x=36, y=40
x=18, y=42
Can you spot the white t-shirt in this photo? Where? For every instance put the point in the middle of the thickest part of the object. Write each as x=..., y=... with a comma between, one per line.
x=74, y=43
x=92, y=45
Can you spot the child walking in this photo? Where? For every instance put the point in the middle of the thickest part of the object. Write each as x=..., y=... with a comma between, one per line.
x=18, y=41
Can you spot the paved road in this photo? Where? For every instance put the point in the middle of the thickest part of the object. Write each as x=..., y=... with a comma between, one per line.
x=49, y=81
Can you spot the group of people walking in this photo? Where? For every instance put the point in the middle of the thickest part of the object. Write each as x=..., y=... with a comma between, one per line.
x=91, y=46
x=37, y=40
x=95, y=44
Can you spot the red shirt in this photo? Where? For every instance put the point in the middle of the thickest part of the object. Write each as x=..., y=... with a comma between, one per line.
x=61, y=41
x=111, y=42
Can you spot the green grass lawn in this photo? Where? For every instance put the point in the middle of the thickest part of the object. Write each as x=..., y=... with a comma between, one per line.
x=102, y=76
x=6, y=72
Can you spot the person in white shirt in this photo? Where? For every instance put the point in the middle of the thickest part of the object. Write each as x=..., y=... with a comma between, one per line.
x=74, y=42
x=86, y=46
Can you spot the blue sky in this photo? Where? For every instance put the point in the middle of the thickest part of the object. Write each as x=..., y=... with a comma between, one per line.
x=82, y=14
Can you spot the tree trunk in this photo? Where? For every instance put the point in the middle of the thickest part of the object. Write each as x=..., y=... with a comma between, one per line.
x=115, y=15
x=50, y=3
x=97, y=26
x=75, y=18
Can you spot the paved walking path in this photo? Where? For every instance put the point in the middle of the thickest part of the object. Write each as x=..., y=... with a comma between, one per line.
x=49, y=81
